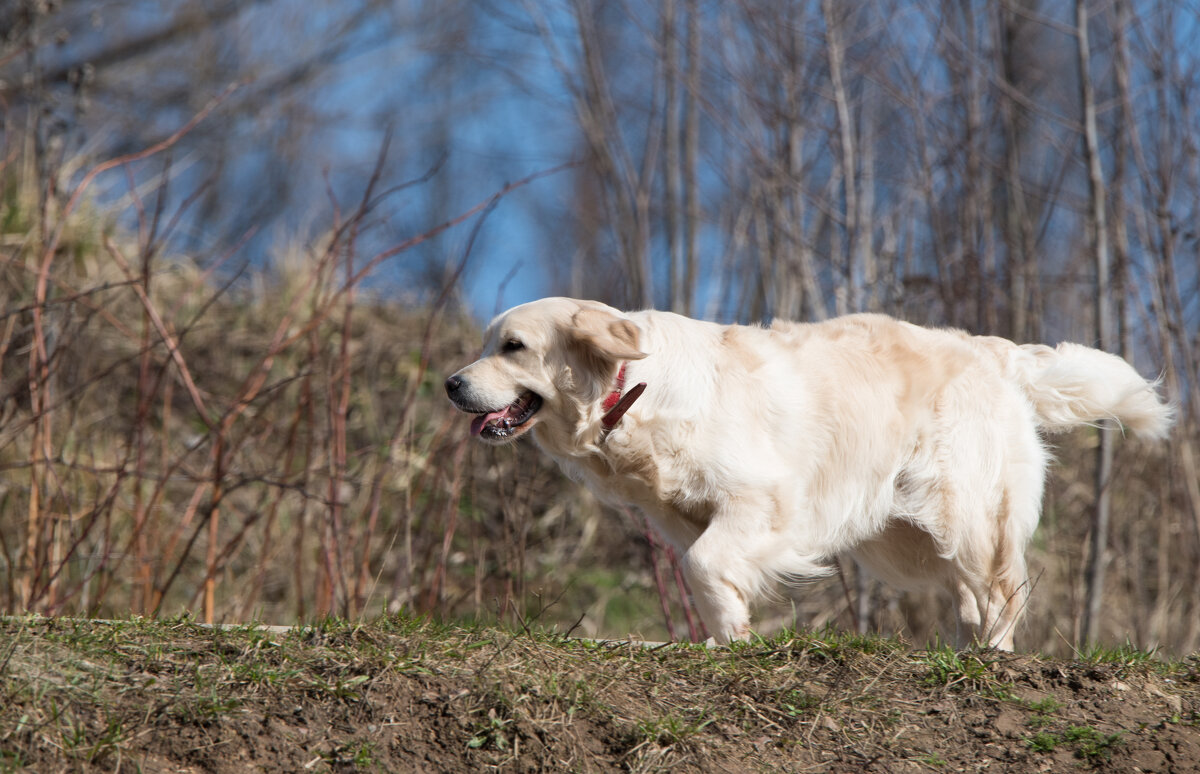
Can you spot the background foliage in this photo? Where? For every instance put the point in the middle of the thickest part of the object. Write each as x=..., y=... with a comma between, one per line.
x=241, y=244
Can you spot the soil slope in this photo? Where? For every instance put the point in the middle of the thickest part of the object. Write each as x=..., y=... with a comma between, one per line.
x=404, y=695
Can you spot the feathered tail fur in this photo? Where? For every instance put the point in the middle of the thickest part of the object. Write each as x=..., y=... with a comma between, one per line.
x=1072, y=385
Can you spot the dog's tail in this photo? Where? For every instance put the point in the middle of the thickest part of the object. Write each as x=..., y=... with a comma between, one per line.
x=1074, y=385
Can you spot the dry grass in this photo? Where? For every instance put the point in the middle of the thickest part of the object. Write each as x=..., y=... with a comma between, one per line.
x=263, y=443
x=273, y=444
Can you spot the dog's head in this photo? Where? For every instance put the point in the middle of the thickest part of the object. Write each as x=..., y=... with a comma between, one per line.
x=549, y=361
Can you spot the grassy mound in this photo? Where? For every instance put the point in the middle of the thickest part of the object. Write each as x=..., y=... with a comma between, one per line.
x=403, y=694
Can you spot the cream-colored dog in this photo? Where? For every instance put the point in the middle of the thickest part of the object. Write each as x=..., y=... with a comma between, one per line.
x=763, y=453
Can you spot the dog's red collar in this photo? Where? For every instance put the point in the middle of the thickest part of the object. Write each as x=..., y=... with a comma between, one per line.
x=615, y=404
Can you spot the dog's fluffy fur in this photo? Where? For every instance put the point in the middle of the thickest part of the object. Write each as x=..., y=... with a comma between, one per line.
x=763, y=453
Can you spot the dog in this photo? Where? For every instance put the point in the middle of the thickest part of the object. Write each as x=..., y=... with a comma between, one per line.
x=763, y=453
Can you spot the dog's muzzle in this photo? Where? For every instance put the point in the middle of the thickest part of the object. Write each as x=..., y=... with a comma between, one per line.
x=493, y=424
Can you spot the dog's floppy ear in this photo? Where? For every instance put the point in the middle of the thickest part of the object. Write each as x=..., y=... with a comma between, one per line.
x=606, y=335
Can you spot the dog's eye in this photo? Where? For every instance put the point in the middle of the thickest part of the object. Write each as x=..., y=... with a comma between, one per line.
x=513, y=345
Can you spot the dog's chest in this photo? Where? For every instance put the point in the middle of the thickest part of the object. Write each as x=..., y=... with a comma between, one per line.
x=671, y=489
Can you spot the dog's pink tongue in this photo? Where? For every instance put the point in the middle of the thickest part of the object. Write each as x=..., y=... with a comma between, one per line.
x=479, y=422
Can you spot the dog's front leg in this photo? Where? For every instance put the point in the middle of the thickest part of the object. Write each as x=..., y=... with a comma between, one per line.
x=722, y=583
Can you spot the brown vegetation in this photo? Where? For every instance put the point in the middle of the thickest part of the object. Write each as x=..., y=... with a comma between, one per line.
x=258, y=433
x=279, y=449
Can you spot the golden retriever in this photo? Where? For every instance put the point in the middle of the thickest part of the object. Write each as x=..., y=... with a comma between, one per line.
x=764, y=453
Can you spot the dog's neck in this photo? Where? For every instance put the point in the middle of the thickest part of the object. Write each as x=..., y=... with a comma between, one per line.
x=615, y=404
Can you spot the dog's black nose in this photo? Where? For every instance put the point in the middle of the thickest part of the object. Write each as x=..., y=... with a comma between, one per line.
x=453, y=384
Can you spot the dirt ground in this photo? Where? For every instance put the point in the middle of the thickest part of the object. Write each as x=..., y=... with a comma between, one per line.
x=403, y=695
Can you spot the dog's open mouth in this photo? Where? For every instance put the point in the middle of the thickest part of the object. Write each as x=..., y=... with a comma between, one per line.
x=507, y=422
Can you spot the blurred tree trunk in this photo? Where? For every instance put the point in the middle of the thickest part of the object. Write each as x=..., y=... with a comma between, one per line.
x=979, y=246
x=674, y=218
x=691, y=152
x=845, y=161
x=1098, y=243
x=1120, y=145
x=1179, y=351
x=1018, y=225
x=806, y=299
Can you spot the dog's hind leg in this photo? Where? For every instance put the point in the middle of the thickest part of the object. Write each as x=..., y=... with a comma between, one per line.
x=969, y=619
x=1001, y=594
x=1005, y=605
x=1017, y=517
x=992, y=592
